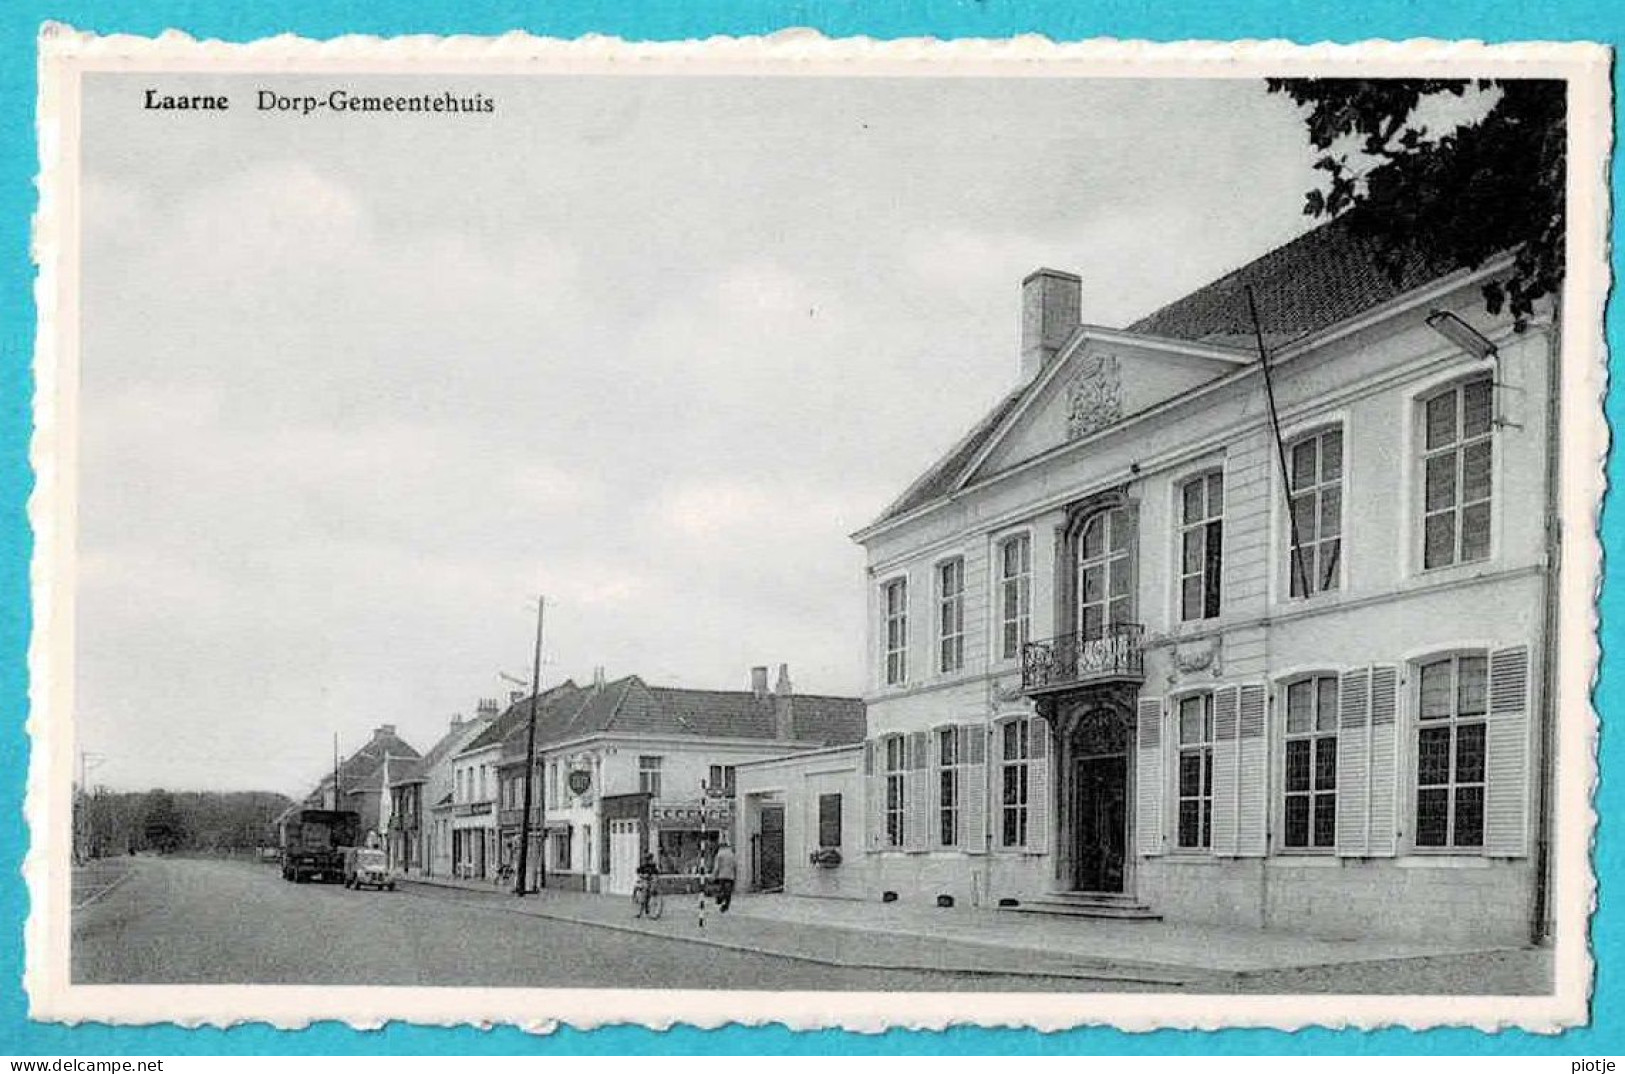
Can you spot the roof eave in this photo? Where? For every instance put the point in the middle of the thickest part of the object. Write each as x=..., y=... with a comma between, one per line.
x=1418, y=296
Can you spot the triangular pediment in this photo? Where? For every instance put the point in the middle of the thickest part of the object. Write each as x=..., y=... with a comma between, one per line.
x=1101, y=378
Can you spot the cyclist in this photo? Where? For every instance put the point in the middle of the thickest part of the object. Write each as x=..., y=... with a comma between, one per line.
x=647, y=871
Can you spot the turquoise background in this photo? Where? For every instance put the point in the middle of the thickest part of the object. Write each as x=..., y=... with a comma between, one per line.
x=675, y=19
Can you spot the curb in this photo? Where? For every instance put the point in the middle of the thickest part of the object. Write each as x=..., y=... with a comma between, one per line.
x=821, y=960
x=98, y=896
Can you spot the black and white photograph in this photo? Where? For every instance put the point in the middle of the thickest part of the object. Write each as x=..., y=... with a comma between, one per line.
x=818, y=532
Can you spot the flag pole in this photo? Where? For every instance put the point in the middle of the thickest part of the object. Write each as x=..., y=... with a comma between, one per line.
x=1280, y=447
x=530, y=766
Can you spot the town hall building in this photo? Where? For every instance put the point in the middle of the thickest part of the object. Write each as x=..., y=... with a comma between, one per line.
x=1137, y=648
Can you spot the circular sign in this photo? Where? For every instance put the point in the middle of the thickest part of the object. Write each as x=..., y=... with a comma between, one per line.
x=579, y=781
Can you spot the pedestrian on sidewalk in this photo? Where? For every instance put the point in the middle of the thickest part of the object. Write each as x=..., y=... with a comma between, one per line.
x=724, y=870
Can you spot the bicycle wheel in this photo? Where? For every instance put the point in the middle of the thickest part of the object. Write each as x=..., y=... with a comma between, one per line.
x=657, y=905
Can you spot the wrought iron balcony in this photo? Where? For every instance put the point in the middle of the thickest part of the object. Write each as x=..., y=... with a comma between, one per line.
x=1075, y=660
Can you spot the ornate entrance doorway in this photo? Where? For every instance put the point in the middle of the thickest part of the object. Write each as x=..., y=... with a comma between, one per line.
x=1098, y=748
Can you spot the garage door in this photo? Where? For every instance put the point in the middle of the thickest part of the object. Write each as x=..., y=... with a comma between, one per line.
x=623, y=856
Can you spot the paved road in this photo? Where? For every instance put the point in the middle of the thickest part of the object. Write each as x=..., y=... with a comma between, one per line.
x=191, y=921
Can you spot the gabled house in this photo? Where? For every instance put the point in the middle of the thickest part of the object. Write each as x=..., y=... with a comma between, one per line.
x=624, y=768
x=1134, y=649
x=363, y=782
x=432, y=784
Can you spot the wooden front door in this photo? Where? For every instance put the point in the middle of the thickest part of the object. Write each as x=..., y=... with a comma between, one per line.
x=1101, y=834
x=770, y=850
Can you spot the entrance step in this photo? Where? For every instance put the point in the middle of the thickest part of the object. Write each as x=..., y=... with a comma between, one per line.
x=1087, y=904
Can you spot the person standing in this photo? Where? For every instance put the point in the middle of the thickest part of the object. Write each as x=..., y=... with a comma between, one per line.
x=724, y=870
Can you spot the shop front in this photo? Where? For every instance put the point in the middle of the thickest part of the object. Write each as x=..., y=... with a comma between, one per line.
x=686, y=834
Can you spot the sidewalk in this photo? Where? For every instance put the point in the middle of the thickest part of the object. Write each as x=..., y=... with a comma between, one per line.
x=872, y=935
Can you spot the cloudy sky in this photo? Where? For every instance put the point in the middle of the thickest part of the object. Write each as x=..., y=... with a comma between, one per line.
x=355, y=389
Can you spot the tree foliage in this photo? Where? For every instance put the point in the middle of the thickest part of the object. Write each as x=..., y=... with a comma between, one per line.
x=113, y=822
x=1462, y=197
x=162, y=826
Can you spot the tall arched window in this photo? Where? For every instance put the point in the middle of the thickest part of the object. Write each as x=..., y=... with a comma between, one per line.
x=1105, y=572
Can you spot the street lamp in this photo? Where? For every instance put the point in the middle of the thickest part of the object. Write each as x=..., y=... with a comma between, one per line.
x=1462, y=334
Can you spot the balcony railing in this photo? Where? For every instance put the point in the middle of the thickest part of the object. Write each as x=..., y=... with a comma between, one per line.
x=1076, y=660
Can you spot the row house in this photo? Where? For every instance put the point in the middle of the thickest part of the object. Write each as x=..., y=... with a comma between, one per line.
x=363, y=780
x=420, y=841
x=624, y=768
x=1131, y=652
x=471, y=820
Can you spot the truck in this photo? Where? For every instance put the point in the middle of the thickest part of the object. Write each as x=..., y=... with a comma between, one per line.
x=314, y=841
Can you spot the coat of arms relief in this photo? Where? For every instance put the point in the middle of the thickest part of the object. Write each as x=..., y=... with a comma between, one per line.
x=1095, y=398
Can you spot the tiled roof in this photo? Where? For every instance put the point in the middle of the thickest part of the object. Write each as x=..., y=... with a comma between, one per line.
x=939, y=480
x=629, y=706
x=364, y=767
x=449, y=743
x=515, y=714
x=407, y=771
x=1318, y=279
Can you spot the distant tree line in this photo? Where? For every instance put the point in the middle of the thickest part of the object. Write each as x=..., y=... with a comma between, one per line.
x=168, y=822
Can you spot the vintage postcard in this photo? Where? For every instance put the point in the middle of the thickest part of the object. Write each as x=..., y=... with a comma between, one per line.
x=840, y=533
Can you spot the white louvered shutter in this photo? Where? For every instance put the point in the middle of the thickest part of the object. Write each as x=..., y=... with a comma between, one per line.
x=916, y=809
x=873, y=821
x=1353, y=762
x=1148, y=783
x=1038, y=785
x=1226, y=758
x=1252, y=780
x=933, y=790
x=1383, y=803
x=973, y=787
x=1506, y=747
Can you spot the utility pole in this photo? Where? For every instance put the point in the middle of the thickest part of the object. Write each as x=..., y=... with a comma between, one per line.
x=84, y=822
x=530, y=766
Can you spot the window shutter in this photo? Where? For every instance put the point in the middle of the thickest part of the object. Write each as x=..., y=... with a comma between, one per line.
x=875, y=786
x=933, y=790
x=1252, y=781
x=1506, y=774
x=1353, y=762
x=1226, y=758
x=1383, y=807
x=1148, y=784
x=1038, y=785
x=973, y=788
x=916, y=810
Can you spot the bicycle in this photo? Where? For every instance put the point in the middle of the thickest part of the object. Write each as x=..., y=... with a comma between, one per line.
x=647, y=898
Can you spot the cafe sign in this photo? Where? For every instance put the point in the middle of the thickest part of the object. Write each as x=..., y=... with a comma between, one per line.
x=692, y=815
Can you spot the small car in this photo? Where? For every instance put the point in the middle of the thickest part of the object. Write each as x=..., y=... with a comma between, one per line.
x=365, y=867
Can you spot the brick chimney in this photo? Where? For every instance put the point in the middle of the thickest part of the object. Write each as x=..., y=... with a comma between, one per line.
x=515, y=696
x=456, y=721
x=758, y=683
x=598, y=677
x=486, y=708
x=784, y=717
x=384, y=730
x=1051, y=307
